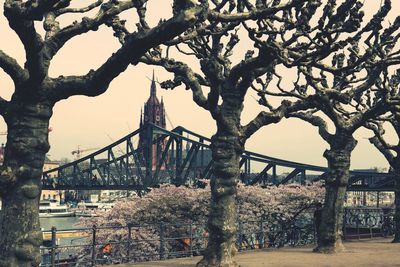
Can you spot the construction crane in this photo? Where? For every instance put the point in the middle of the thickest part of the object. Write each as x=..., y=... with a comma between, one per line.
x=79, y=151
x=49, y=130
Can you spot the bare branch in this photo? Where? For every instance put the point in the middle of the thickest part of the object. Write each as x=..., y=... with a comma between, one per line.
x=361, y=118
x=243, y=68
x=34, y=10
x=12, y=68
x=262, y=119
x=32, y=41
x=379, y=142
x=203, y=30
x=373, y=74
x=285, y=109
x=136, y=45
x=316, y=121
x=50, y=25
x=57, y=39
x=255, y=14
x=78, y=10
x=183, y=73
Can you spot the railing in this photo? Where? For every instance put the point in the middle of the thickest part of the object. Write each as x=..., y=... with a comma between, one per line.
x=368, y=222
x=144, y=242
x=182, y=158
x=160, y=241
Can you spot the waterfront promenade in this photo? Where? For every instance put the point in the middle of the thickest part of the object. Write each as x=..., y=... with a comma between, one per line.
x=365, y=253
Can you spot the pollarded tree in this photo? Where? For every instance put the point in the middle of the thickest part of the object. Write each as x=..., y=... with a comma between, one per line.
x=391, y=152
x=28, y=112
x=347, y=92
x=285, y=33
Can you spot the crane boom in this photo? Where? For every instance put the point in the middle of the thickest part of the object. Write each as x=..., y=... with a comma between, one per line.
x=79, y=151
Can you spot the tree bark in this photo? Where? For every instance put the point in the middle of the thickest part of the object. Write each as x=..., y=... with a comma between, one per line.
x=20, y=183
x=227, y=145
x=330, y=230
x=396, y=218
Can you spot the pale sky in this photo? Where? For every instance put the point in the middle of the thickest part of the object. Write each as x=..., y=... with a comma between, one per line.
x=93, y=122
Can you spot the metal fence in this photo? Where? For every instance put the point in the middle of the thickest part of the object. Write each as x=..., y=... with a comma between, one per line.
x=136, y=243
x=368, y=222
x=144, y=242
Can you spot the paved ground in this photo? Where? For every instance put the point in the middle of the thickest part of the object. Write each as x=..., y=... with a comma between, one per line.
x=371, y=253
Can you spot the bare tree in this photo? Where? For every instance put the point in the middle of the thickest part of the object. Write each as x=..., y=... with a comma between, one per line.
x=391, y=152
x=347, y=92
x=282, y=34
x=28, y=112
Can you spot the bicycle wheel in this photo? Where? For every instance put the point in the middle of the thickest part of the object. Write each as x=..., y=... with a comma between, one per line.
x=294, y=237
x=371, y=221
x=385, y=230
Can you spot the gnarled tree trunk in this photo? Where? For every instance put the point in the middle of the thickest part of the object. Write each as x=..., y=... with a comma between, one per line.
x=20, y=183
x=396, y=238
x=336, y=181
x=227, y=146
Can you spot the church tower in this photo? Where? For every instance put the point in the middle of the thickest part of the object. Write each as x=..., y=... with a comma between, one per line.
x=154, y=112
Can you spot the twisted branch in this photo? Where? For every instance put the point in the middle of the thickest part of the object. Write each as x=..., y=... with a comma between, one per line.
x=12, y=68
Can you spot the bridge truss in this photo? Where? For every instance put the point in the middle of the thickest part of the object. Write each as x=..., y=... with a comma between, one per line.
x=182, y=157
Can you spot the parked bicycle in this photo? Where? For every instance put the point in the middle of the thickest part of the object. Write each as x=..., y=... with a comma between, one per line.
x=387, y=228
x=295, y=231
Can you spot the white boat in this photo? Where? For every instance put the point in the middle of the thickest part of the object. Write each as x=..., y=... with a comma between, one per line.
x=51, y=208
x=90, y=209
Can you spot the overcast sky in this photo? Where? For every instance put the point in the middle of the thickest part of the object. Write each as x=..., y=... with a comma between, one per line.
x=95, y=122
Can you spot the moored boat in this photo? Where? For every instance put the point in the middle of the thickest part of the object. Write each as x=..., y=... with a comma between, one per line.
x=51, y=208
x=90, y=209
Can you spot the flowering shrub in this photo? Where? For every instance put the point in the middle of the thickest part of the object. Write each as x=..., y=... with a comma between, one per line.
x=178, y=207
x=269, y=204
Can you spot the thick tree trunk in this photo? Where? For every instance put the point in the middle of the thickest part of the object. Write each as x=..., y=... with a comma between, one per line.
x=20, y=184
x=397, y=207
x=227, y=146
x=330, y=230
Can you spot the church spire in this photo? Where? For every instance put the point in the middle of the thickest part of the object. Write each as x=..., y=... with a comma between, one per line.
x=153, y=86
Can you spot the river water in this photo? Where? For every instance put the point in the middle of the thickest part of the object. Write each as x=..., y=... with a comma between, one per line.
x=60, y=223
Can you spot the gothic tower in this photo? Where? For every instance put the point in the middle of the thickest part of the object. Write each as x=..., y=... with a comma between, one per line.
x=154, y=112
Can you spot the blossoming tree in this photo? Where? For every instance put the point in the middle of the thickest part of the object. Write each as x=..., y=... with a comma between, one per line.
x=183, y=206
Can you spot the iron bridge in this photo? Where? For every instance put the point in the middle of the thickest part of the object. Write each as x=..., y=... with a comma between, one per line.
x=183, y=157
